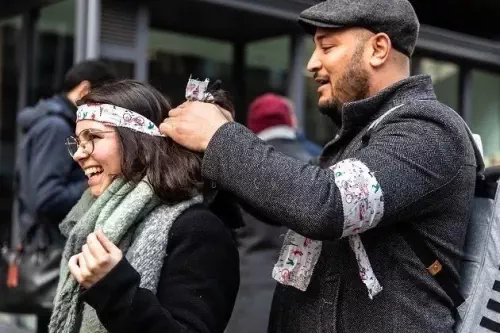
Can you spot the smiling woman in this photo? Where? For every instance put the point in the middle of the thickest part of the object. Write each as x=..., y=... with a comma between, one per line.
x=100, y=174
x=173, y=172
x=142, y=210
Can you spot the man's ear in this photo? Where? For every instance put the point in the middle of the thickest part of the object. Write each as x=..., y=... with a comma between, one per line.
x=381, y=48
x=83, y=89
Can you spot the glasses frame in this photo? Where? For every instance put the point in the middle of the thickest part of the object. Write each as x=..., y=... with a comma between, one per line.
x=81, y=144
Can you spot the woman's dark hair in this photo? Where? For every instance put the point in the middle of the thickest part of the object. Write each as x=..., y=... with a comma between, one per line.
x=173, y=171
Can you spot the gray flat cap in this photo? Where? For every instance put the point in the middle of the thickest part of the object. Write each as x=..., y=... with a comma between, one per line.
x=396, y=18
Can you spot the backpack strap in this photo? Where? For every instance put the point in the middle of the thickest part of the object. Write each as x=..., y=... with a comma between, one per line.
x=477, y=152
x=439, y=272
x=379, y=119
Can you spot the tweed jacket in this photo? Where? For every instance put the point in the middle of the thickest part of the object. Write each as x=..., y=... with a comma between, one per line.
x=421, y=165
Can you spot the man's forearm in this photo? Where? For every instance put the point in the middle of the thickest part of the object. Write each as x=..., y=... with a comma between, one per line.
x=290, y=192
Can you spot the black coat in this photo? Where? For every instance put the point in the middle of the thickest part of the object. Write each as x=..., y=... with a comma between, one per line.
x=424, y=163
x=197, y=288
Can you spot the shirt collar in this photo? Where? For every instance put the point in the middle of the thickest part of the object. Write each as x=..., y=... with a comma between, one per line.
x=278, y=132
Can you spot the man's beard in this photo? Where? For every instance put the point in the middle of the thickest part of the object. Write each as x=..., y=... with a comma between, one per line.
x=352, y=86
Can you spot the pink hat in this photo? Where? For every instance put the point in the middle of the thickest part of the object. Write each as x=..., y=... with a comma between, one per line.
x=267, y=111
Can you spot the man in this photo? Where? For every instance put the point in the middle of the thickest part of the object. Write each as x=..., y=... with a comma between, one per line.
x=49, y=182
x=347, y=265
x=271, y=118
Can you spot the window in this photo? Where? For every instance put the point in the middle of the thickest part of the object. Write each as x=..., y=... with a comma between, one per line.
x=266, y=68
x=485, y=115
x=445, y=77
x=54, y=49
x=9, y=34
x=173, y=57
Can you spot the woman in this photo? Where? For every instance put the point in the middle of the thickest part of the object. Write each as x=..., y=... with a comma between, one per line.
x=143, y=253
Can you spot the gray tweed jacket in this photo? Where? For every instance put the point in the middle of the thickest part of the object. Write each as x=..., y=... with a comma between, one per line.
x=424, y=163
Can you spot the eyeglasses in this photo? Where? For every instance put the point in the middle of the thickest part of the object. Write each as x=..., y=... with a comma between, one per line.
x=85, y=140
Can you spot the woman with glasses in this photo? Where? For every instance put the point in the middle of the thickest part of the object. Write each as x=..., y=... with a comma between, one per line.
x=143, y=254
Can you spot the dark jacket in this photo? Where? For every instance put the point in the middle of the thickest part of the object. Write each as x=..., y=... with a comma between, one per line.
x=259, y=244
x=424, y=163
x=312, y=148
x=197, y=288
x=49, y=181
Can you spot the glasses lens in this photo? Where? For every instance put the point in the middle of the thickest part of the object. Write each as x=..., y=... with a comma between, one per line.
x=88, y=147
x=85, y=135
x=72, y=145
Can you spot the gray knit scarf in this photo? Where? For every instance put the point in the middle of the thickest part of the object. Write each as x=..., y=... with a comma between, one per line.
x=131, y=216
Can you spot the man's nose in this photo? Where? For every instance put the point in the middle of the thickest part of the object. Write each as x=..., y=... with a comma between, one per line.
x=314, y=64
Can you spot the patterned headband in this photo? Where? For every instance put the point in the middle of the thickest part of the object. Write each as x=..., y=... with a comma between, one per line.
x=113, y=115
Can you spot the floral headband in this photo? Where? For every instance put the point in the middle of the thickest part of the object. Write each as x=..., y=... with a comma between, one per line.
x=196, y=90
x=113, y=115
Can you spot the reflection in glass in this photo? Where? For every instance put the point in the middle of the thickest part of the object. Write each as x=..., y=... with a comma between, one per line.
x=486, y=113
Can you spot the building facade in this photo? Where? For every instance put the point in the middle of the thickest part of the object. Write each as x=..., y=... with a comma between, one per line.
x=253, y=46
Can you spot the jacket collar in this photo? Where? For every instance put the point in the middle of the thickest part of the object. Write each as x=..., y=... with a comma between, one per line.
x=69, y=109
x=357, y=115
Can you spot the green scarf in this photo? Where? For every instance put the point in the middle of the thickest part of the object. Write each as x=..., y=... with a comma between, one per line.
x=132, y=217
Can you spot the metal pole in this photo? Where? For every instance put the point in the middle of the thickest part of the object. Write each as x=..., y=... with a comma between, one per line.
x=142, y=44
x=465, y=94
x=239, y=81
x=25, y=54
x=93, y=29
x=25, y=67
x=296, y=79
x=81, y=11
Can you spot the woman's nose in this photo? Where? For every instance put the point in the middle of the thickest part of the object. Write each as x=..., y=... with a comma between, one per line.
x=80, y=154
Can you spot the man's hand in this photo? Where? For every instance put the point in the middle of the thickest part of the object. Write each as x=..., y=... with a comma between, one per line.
x=98, y=257
x=193, y=124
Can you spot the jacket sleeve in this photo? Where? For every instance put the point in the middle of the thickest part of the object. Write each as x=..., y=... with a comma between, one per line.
x=50, y=167
x=405, y=160
x=197, y=289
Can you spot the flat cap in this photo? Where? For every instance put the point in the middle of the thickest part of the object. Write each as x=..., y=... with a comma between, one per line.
x=396, y=18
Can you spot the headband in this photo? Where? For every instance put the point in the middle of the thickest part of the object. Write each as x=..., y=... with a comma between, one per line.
x=113, y=115
x=196, y=90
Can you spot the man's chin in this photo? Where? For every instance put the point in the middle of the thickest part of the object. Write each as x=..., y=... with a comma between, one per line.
x=327, y=107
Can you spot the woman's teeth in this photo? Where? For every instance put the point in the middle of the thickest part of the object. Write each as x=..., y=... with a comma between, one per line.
x=90, y=172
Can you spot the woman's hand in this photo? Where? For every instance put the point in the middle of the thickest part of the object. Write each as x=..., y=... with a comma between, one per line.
x=98, y=257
